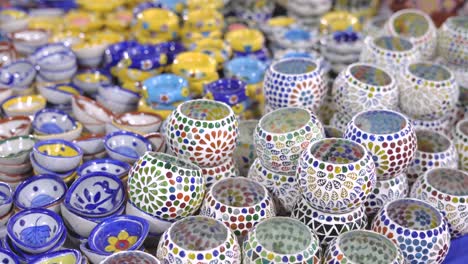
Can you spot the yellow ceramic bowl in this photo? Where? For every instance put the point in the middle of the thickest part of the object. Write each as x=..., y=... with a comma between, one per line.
x=339, y=21
x=189, y=36
x=157, y=20
x=119, y=20
x=216, y=48
x=127, y=75
x=203, y=20
x=146, y=37
x=100, y=6
x=193, y=65
x=281, y=21
x=205, y=4
x=245, y=40
x=81, y=21
x=58, y=150
x=50, y=24
x=105, y=37
x=24, y=105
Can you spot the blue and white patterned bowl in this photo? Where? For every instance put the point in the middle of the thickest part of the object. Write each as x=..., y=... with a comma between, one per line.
x=39, y=169
x=6, y=198
x=52, y=121
x=15, y=150
x=19, y=74
x=126, y=146
x=57, y=155
x=8, y=257
x=59, y=94
x=63, y=256
x=116, y=167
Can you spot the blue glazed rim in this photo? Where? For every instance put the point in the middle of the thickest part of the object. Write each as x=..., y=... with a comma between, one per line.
x=114, y=52
x=125, y=133
x=62, y=175
x=119, y=163
x=251, y=77
x=61, y=231
x=14, y=63
x=112, y=221
x=46, y=256
x=57, y=141
x=10, y=197
x=10, y=255
x=68, y=54
x=35, y=55
x=51, y=110
x=140, y=54
x=22, y=185
x=225, y=89
x=79, y=180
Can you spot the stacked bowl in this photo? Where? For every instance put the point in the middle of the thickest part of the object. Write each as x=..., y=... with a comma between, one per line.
x=14, y=159
x=54, y=62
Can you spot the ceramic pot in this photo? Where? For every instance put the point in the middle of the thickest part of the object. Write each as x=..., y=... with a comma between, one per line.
x=427, y=90
x=336, y=175
x=328, y=226
x=282, y=135
x=282, y=187
x=461, y=143
x=239, y=202
x=165, y=186
x=281, y=240
x=435, y=150
x=229, y=91
x=418, y=229
x=225, y=170
x=452, y=40
x=245, y=153
x=203, y=131
x=390, y=138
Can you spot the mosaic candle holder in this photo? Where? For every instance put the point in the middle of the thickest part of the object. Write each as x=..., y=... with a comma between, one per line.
x=238, y=202
x=390, y=138
x=281, y=240
x=203, y=131
x=461, y=143
x=336, y=175
x=441, y=125
x=427, y=90
x=165, y=186
x=447, y=190
x=295, y=82
x=362, y=86
x=199, y=239
x=245, y=153
x=361, y=246
x=328, y=226
x=283, y=134
x=225, y=170
x=229, y=91
x=434, y=150
x=419, y=230
x=340, y=121
x=282, y=187
x=452, y=40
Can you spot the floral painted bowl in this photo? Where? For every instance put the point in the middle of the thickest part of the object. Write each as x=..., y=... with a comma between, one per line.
x=119, y=233
x=97, y=194
x=52, y=121
x=62, y=256
x=136, y=257
x=6, y=198
x=61, y=93
x=23, y=105
x=14, y=126
x=15, y=150
x=166, y=89
x=126, y=146
x=57, y=155
x=117, y=168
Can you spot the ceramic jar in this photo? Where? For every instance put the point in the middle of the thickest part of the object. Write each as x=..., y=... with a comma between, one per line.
x=336, y=175
x=282, y=135
x=390, y=138
x=231, y=92
x=203, y=131
x=295, y=82
x=453, y=40
x=461, y=143
x=417, y=27
x=362, y=86
x=224, y=170
x=281, y=240
x=199, y=239
x=427, y=90
x=418, y=229
x=240, y=203
x=245, y=153
x=328, y=226
x=435, y=150
x=361, y=246
x=446, y=189
x=390, y=53
x=165, y=186
x=282, y=187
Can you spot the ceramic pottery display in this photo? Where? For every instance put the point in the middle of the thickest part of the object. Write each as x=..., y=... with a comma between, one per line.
x=446, y=189
x=336, y=175
x=282, y=135
x=427, y=90
x=435, y=150
x=419, y=230
x=328, y=226
x=218, y=49
x=224, y=170
x=461, y=143
x=238, y=202
x=390, y=138
x=452, y=39
x=360, y=246
x=199, y=239
x=203, y=131
x=281, y=240
x=245, y=153
x=165, y=186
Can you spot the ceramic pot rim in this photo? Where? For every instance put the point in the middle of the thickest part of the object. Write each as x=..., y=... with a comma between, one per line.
x=430, y=24
x=229, y=114
x=356, y=213
x=77, y=100
x=316, y=70
x=440, y=218
x=58, y=141
x=260, y=125
x=408, y=124
x=428, y=173
x=21, y=152
x=264, y=197
x=375, y=235
x=433, y=133
x=372, y=42
x=449, y=79
x=53, y=110
x=94, y=162
x=363, y=151
x=386, y=87
x=25, y=183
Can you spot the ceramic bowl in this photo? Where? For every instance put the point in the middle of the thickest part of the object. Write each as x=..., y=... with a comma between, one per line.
x=61, y=93
x=57, y=76
x=120, y=233
x=8, y=53
x=41, y=191
x=90, y=143
x=450, y=33
x=35, y=230
x=117, y=168
x=92, y=256
x=6, y=196
x=411, y=222
x=461, y=143
x=48, y=56
x=68, y=135
x=361, y=246
x=247, y=69
x=96, y=194
x=90, y=80
x=57, y=155
x=40, y=169
x=157, y=141
x=23, y=105
x=216, y=241
x=20, y=73
x=89, y=111
x=227, y=90
x=131, y=256
x=14, y=126
x=166, y=89
x=126, y=146
x=118, y=94
x=8, y=257
x=115, y=107
x=13, y=19
x=52, y=121
x=138, y=122
x=16, y=169
x=157, y=226
x=47, y=50
x=15, y=150
x=62, y=256
x=245, y=40
x=89, y=54
x=390, y=138
x=26, y=41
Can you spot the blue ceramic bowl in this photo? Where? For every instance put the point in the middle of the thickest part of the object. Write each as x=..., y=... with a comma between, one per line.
x=166, y=89
x=52, y=121
x=57, y=155
x=6, y=198
x=8, y=257
x=114, y=53
x=227, y=90
x=145, y=57
x=126, y=146
x=97, y=194
x=20, y=73
x=171, y=49
x=115, y=167
x=63, y=256
x=119, y=233
x=35, y=230
x=39, y=169
x=249, y=70
x=261, y=54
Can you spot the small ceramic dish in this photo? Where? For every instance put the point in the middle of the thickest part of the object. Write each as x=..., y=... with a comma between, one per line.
x=20, y=73
x=47, y=50
x=115, y=107
x=119, y=233
x=157, y=141
x=26, y=41
x=90, y=143
x=41, y=191
x=39, y=169
x=118, y=94
x=90, y=80
x=126, y=146
x=138, y=122
x=14, y=126
x=9, y=257
x=56, y=61
x=115, y=167
x=134, y=256
x=68, y=135
x=15, y=169
x=6, y=198
x=63, y=75
x=23, y=105
x=166, y=89
x=52, y=121
x=35, y=230
x=89, y=111
x=59, y=93
x=13, y=19
x=97, y=194
x=15, y=150
x=57, y=155
x=89, y=54
x=64, y=256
